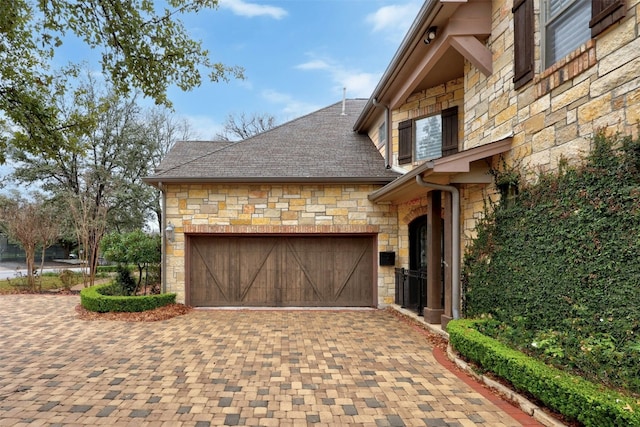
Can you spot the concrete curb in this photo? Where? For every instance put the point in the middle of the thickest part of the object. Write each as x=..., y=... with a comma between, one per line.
x=520, y=401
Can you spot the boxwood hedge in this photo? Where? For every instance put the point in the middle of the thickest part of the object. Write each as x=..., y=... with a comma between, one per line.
x=570, y=395
x=96, y=298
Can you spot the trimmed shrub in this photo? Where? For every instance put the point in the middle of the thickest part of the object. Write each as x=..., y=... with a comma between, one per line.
x=570, y=395
x=100, y=299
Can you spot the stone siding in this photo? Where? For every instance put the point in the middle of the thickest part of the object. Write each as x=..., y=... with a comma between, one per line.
x=595, y=87
x=554, y=116
x=276, y=209
x=428, y=103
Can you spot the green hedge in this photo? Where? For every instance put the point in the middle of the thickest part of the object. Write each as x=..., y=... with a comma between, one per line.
x=94, y=299
x=112, y=268
x=572, y=396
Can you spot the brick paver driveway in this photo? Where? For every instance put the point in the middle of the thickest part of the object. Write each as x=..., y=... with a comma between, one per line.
x=225, y=367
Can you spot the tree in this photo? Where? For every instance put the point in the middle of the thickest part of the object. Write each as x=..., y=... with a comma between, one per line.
x=101, y=184
x=142, y=48
x=143, y=250
x=90, y=222
x=135, y=247
x=48, y=231
x=243, y=127
x=162, y=131
x=31, y=224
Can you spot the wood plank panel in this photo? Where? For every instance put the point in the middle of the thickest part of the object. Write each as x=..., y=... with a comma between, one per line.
x=281, y=271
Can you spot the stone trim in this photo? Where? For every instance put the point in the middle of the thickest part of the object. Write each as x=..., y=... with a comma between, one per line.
x=566, y=69
x=281, y=229
x=426, y=110
x=415, y=213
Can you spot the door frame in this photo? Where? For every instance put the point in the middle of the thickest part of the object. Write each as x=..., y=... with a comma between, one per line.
x=188, y=236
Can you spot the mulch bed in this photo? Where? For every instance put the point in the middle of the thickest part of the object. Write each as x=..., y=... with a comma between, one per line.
x=155, y=315
x=433, y=338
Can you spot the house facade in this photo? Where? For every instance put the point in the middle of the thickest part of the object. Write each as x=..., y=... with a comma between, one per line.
x=371, y=202
x=482, y=85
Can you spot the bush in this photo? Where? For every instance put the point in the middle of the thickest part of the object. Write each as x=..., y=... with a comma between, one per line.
x=98, y=298
x=572, y=396
x=109, y=268
x=558, y=266
x=69, y=279
x=125, y=281
x=135, y=247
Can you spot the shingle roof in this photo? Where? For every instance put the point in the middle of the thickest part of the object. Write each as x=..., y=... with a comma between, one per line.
x=318, y=147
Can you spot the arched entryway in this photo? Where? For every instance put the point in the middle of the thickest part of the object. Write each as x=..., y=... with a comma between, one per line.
x=422, y=285
x=414, y=280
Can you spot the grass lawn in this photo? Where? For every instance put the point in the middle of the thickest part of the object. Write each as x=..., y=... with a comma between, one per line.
x=48, y=281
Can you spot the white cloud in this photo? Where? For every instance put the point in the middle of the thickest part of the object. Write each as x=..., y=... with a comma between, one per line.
x=290, y=107
x=316, y=64
x=250, y=10
x=394, y=20
x=359, y=84
x=202, y=127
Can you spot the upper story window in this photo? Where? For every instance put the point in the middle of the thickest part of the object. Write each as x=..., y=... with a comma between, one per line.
x=382, y=134
x=429, y=137
x=564, y=26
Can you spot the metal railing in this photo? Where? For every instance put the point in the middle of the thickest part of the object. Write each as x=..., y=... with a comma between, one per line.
x=411, y=289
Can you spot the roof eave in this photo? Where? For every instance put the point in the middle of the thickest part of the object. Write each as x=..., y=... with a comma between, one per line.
x=416, y=30
x=156, y=181
x=462, y=25
x=441, y=170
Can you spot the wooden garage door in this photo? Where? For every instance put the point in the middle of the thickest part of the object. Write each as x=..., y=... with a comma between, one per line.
x=281, y=271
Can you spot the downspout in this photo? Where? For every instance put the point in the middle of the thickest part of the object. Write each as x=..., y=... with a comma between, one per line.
x=163, y=262
x=387, y=137
x=455, y=245
x=387, y=142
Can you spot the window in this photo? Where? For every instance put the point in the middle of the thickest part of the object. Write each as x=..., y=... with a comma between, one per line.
x=569, y=23
x=566, y=27
x=428, y=140
x=428, y=137
x=382, y=134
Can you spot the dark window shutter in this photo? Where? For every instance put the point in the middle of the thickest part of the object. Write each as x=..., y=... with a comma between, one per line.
x=605, y=13
x=523, y=42
x=405, y=139
x=449, y=131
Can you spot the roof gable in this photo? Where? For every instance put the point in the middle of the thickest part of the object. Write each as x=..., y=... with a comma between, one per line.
x=318, y=147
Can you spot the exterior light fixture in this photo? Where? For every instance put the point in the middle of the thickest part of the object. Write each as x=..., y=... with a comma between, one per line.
x=430, y=35
x=169, y=233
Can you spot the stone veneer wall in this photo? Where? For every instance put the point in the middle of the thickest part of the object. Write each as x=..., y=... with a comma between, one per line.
x=428, y=103
x=595, y=87
x=274, y=209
